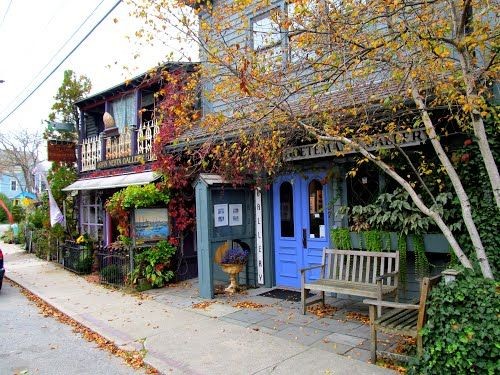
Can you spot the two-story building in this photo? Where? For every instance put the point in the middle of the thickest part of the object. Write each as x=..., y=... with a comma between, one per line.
x=263, y=75
x=117, y=131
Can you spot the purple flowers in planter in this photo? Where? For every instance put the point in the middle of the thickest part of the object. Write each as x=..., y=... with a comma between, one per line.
x=235, y=256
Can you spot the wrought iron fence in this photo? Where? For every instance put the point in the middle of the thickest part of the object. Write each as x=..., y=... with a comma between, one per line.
x=77, y=258
x=114, y=267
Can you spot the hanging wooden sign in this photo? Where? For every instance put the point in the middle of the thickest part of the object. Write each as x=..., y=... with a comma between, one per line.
x=61, y=151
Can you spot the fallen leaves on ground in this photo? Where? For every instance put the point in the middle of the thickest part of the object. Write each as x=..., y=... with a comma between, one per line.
x=404, y=345
x=365, y=319
x=134, y=359
x=322, y=311
x=202, y=305
x=392, y=366
x=249, y=305
x=92, y=278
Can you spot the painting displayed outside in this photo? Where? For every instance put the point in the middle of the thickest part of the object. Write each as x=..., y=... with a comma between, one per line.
x=151, y=224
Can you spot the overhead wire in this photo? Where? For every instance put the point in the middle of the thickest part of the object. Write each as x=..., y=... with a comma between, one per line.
x=54, y=56
x=61, y=62
x=5, y=14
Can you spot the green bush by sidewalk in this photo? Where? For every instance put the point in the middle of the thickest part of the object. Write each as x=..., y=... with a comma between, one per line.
x=462, y=334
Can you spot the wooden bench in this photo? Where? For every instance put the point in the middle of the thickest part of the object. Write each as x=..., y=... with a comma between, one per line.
x=359, y=273
x=404, y=319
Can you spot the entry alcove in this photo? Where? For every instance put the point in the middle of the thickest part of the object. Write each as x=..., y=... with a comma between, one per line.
x=223, y=214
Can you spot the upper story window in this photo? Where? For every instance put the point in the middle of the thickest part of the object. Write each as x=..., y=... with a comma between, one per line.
x=13, y=185
x=279, y=35
x=124, y=111
x=267, y=36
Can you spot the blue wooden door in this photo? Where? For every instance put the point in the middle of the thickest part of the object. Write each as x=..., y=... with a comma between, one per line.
x=300, y=225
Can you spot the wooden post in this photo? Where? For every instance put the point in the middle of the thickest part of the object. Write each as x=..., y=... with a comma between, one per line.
x=373, y=333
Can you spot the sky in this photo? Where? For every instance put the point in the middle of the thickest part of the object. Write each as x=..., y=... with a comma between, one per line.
x=34, y=39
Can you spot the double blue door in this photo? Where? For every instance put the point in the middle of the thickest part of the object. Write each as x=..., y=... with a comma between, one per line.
x=300, y=225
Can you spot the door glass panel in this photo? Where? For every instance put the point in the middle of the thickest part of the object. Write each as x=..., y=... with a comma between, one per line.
x=316, y=211
x=286, y=209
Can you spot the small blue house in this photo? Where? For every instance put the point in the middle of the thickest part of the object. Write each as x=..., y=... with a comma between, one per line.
x=12, y=184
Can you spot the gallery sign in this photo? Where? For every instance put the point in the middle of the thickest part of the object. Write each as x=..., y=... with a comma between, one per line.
x=259, y=242
x=335, y=148
x=126, y=160
x=61, y=151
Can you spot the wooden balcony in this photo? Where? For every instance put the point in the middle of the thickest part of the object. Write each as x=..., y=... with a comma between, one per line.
x=129, y=147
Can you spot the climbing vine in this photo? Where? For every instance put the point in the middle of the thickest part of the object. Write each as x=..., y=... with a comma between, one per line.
x=120, y=203
x=341, y=238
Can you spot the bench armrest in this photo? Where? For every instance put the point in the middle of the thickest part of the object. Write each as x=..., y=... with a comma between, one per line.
x=387, y=275
x=394, y=305
x=302, y=270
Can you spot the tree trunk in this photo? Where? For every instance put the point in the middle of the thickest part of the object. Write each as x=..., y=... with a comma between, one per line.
x=457, y=185
x=478, y=126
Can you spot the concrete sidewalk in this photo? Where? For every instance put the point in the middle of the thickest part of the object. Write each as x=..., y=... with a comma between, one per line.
x=177, y=340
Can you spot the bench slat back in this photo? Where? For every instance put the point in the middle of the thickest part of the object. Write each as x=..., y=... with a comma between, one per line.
x=360, y=266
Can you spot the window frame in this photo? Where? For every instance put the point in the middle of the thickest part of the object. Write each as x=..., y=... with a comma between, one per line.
x=13, y=182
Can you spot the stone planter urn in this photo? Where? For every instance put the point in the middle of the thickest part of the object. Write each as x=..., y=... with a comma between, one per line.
x=232, y=270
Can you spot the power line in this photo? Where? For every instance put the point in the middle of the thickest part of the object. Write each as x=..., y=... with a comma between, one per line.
x=58, y=65
x=54, y=55
x=5, y=14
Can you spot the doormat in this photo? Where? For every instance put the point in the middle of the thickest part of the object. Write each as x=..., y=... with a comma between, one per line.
x=284, y=294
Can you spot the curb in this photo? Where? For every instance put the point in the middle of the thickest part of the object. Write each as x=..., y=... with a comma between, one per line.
x=79, y=322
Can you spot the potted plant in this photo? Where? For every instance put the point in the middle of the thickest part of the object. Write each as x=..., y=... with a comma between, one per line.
x=232, y=263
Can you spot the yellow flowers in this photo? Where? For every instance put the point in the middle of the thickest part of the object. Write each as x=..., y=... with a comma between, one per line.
x=81, y=239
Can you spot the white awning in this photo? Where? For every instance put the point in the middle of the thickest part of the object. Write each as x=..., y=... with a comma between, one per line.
x=113, y=181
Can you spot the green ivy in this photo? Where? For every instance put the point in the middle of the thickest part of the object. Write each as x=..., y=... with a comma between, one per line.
x=471, y=169
x=341, y=238
x=372, y=240
x=136, y=196
x=462, y=333
x=421, y=262
x=402, y=248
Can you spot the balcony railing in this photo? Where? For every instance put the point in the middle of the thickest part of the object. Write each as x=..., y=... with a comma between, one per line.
x=130, y=142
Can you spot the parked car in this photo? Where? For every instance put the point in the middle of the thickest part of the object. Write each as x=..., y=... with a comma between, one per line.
x=2, y=270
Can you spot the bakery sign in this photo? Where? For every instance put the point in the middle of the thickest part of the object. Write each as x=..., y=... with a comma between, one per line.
x=61, y=151
x=336, y=148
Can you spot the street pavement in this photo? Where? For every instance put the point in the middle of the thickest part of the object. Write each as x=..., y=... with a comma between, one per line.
x=33, y=344
x=178, y=340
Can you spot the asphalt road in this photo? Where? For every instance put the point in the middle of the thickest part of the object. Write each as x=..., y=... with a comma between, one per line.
x=32, y=344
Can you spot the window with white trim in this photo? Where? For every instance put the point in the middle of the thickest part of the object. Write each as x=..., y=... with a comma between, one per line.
x=13, y=185
x=91, y=215
x=267, y=36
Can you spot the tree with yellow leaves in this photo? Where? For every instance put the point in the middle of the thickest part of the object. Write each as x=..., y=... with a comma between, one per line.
x=276, y=73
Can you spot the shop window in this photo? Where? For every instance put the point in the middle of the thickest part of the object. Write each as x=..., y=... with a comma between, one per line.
x=91, y=216
x=286, y=209
x=363, y=187
x=316, y=210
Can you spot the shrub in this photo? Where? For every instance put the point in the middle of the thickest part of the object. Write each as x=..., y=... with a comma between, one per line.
x=153, y=264
x=84, y=265
x=462, y=333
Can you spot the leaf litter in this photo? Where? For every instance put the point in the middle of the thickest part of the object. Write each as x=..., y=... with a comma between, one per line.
x=134, y=359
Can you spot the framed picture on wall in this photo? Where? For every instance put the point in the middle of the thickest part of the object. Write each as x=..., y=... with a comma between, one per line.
x=151, y=224
x=220, y=215
x=235, y=214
